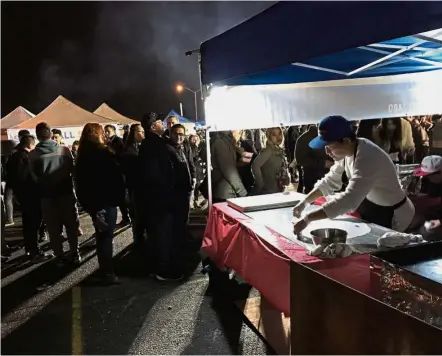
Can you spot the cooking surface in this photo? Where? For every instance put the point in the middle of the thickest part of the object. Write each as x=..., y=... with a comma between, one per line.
x=362, y=236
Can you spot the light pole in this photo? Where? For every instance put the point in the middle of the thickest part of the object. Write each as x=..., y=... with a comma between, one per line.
x=180, y=88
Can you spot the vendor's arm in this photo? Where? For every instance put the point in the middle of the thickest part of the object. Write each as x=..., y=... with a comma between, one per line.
x=257, y=164
x=358, y=187
x=326, y=186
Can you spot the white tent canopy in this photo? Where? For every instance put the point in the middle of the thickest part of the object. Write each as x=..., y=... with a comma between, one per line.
x=260, y=106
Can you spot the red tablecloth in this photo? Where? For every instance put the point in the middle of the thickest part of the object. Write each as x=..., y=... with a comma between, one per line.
x=262, y=257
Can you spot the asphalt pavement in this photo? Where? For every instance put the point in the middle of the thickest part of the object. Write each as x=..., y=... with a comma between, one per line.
x=46, y=310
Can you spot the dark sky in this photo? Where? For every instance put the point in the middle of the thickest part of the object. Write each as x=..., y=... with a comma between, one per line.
x=128, y=54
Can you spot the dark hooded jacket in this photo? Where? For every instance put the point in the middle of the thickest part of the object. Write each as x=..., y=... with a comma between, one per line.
x=52, y=167
x=19, y=171
x=116, y=144
x=181, y=161
x=129, y=165
x=155, y=172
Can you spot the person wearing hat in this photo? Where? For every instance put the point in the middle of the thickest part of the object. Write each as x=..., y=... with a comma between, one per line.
x=373, y=188
x=431, y=172
x=156, y=183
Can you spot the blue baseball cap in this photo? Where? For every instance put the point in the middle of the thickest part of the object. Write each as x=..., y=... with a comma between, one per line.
x=331, y=129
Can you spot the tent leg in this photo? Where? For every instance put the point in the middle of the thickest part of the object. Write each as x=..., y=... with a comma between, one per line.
x=209, y=166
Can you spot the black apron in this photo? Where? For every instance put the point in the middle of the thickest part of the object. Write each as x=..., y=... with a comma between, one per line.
x=374, y=213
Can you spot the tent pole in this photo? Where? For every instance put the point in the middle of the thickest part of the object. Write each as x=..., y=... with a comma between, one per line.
x=208, y=153
x=209, y=167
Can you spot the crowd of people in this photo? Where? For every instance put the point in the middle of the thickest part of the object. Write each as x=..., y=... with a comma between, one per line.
x=149, y=174
x=254, y=162
x=155, y=176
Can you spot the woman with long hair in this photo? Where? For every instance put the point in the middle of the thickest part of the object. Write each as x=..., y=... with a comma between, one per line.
x=100, y=189
x=389, y=138
x=270, y=168
x=226, y=180
x=129, y=167
x=367, y=129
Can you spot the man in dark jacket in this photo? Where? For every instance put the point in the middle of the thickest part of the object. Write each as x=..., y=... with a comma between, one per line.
x=157, y=188
x=9, y=197
x=182, y=163
x=114, y=142
x=315, y=163
x=27, y=195
x=117, y=146
x=52, y=168
x=184, y=182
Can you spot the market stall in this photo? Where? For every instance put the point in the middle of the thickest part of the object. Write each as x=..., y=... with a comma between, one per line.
x=281, y=67
x=64, y=115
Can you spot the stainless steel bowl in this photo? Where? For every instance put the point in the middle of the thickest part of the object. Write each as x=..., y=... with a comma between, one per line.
x=328, y=236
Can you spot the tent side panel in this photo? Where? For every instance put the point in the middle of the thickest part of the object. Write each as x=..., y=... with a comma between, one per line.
x=247, y=107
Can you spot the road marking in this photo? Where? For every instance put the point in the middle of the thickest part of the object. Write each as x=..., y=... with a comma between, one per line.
x=77, y=332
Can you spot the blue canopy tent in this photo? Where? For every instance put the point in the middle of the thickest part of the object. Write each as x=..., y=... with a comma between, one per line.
x=297, y=61
x=180, y=118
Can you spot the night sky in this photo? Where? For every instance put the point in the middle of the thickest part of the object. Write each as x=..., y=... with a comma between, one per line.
x=128, y=54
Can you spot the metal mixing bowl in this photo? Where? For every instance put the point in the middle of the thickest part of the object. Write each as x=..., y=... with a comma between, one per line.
x=328, y=236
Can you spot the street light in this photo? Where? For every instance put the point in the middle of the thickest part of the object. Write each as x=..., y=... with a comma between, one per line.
x=180, y=88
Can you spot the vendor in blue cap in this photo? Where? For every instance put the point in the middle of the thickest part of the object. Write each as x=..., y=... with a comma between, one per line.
x=373, y=185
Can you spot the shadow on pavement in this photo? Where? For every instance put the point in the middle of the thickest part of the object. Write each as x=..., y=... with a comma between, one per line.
x=140, y=316
x=47, y=333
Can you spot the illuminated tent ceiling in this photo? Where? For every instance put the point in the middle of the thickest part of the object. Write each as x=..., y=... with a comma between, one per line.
x=299, y=61
x=106, y=111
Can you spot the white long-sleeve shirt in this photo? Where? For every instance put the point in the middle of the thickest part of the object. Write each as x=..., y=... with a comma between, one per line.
x=373, y=176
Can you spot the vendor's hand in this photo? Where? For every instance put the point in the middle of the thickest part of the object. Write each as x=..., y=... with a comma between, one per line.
x=193, y=183
x=299, y=208
x=299, y=225
x=432, y=225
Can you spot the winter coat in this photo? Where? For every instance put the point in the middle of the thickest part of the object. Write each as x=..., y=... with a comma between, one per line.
x=156, y=173
x=99, y=179
x=226, y=181
x=52, y=166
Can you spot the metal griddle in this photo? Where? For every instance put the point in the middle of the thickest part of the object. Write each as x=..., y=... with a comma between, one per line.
x=280, y=221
